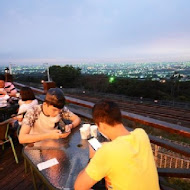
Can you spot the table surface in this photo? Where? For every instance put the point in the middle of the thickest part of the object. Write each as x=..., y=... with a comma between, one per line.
x=72, y=154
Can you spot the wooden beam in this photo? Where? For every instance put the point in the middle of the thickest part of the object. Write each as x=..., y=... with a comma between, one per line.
x=174, y=172
x=165, y=126
x=37, y=90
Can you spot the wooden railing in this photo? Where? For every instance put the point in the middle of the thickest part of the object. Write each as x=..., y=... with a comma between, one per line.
x=168, y=127
x=35, y=90
x=171, y=128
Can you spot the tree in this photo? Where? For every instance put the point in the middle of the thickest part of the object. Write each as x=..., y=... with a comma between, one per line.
x=67, y=76
x=97, y=83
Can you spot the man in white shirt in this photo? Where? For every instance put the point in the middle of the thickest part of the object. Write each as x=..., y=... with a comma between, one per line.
x=8, y=86
x=39, y=122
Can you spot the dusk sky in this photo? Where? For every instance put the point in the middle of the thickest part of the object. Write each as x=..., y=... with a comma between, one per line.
x=78, y=31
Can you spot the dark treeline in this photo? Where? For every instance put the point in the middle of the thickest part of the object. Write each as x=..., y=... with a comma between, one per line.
x=67, y=76
x=169, y=90
x=71, y=77
x=30, y=77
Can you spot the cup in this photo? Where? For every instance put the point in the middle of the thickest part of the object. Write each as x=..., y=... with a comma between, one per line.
x=87, y=127
x=84, y=133
x=93, y=130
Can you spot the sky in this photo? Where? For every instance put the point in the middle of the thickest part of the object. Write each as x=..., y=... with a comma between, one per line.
x=79, y=31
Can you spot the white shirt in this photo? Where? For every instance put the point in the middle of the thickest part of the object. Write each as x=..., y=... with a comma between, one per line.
x=24, y=107
x=3, y=100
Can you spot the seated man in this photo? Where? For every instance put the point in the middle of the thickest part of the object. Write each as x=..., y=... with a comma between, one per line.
x=127, y=162
x=39, y=122
x=8, y=86
x=3, y=94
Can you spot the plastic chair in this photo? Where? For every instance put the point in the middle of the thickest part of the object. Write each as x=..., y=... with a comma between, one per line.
x=4, y=137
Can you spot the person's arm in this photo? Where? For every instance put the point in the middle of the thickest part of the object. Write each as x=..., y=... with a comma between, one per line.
x=83, y=181
x=96, y=169
x=75, y=121
x=3, y=92
x=91, y=152
x=25, y=137
x=18, y=118
x=21, y=111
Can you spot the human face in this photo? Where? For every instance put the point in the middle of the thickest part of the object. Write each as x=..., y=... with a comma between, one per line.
x=50, y=110
x=2, y=83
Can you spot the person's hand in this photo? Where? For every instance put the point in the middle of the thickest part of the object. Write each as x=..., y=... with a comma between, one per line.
x=68, y=128
x=92, y=151
x=64, y=135
x=29, y=145
x=55, y=134
x=13, y=116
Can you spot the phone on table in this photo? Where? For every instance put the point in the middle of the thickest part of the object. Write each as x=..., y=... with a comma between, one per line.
x=94, y=143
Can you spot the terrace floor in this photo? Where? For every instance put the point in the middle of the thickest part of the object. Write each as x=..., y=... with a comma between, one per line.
x=12, y=175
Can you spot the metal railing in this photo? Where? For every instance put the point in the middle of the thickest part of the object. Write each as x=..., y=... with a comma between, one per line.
x=167, y=160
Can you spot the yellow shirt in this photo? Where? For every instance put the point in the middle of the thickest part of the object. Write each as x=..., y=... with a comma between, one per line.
x=127, y=163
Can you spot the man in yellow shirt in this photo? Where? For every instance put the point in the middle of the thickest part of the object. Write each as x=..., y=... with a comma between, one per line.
x=127, y=162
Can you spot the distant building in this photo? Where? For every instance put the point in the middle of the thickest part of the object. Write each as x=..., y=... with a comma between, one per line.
x=155, y=79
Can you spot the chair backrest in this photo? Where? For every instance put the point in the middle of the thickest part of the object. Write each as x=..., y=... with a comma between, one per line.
x=4, y=137
x=4, y=129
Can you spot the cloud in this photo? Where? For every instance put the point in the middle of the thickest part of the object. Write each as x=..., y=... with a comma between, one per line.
x=93, y=29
